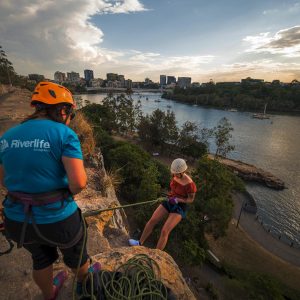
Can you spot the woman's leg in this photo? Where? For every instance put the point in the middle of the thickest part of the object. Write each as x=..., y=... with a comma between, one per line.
x=44, y=279
x=158, y=215
x=82, y=272
x=171, y=222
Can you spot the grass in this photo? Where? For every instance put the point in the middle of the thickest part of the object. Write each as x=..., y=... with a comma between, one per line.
x=239, y=250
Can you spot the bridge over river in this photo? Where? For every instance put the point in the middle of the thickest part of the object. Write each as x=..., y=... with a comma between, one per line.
x=120, y=90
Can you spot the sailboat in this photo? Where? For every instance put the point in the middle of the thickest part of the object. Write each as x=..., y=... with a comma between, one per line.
x=196, y=102
x=261, y=116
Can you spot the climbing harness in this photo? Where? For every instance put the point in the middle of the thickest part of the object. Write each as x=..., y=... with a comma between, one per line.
x=41, y=199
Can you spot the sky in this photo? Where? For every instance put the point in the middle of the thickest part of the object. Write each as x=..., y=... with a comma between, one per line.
x=222, y=40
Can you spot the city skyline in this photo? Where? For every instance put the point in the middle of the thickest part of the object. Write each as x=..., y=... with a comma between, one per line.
x=220, y=41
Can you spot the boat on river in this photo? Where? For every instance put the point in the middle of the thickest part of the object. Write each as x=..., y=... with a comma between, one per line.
x=261, y=116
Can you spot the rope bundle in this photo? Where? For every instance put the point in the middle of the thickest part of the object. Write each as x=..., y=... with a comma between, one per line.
x=136, y=279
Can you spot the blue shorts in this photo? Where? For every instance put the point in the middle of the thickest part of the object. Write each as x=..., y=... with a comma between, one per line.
x=174, y=209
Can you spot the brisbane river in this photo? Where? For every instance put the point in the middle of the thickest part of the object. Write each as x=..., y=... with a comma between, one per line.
x=272, y=144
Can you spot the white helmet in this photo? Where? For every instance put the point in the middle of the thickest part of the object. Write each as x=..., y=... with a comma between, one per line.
x=178, y=166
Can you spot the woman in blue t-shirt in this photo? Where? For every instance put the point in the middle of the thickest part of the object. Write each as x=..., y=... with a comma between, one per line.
x=41, y=165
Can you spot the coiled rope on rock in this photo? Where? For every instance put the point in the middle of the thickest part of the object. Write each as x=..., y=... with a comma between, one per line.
x=137, y=279
x=141, y=281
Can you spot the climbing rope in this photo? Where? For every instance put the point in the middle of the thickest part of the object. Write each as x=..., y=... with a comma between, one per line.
x=93, y=213
x=99, y=211
x=135, y=279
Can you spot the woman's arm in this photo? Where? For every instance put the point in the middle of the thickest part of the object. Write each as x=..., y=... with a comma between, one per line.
x=189, y=199
x=76, y=174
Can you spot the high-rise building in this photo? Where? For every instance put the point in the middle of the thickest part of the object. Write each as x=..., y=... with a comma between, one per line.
x=171, y=79
x=73, y=76
x=111, y=76
x=162, y=80
x=128, y=83
x=121, y=78
x=88, y=76
x=59, y=76
x=184, y=82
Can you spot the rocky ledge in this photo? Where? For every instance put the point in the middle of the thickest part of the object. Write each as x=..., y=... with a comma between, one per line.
x=252, y=173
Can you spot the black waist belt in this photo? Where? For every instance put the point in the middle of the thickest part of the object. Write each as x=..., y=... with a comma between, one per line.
x=40, y=199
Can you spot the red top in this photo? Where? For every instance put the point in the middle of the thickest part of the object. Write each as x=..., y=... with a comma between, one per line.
x=182, y=191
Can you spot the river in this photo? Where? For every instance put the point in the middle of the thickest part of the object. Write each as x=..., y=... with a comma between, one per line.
x=271, y=144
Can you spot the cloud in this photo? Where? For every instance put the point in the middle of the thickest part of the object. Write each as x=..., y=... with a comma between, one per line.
x=285, y=9
x=285, y=42
x=154, y=64
x=266, y=69
x=49, y=35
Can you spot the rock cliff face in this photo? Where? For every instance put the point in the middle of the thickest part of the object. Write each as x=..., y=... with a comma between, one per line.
x=107, y=236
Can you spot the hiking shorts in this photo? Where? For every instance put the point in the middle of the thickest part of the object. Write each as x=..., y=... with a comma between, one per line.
x=43, y=254
x=174, y=208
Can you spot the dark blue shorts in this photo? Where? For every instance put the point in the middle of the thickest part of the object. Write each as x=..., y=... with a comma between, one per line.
x=174, y=209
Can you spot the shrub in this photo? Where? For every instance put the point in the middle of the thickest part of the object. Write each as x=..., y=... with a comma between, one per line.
x=85, y=134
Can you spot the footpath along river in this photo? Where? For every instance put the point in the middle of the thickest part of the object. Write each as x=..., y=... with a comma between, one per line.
x=272, y=144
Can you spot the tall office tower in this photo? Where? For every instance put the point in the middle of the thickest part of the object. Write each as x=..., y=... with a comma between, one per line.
x=88, y=76
x=111, y=76
x=162, y=80
x=171, y=79
x=184, y=82
x=73, y=76
x=59, y=76
x=121, y=79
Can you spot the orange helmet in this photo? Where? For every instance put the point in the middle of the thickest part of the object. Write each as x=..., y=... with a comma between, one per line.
x=51, y=93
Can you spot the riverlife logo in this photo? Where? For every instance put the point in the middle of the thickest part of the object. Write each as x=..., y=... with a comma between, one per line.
x=36, y=145
x=3, y=145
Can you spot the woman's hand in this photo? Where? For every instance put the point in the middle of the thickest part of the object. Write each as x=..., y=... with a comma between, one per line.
x=173, y=200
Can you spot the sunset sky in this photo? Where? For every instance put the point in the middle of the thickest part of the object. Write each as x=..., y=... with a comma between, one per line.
x=220, y=40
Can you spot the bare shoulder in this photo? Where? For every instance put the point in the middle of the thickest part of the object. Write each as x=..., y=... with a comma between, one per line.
x=187, y=179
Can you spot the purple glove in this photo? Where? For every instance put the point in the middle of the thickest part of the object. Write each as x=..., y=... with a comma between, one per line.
x=173, y=200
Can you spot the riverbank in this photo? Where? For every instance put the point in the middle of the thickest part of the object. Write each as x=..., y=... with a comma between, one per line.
x=252, y=173
x=242, y=101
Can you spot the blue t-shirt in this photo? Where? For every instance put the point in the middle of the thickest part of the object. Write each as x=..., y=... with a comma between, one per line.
x=31, y=155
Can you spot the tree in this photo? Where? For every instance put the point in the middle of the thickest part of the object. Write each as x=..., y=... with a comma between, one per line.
x=140, y=175
x=215, y=184
x=158, y=130
x=101, y=116
x=126, y=112
x=222, y=135
x=188, y=141
x=7, y=71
